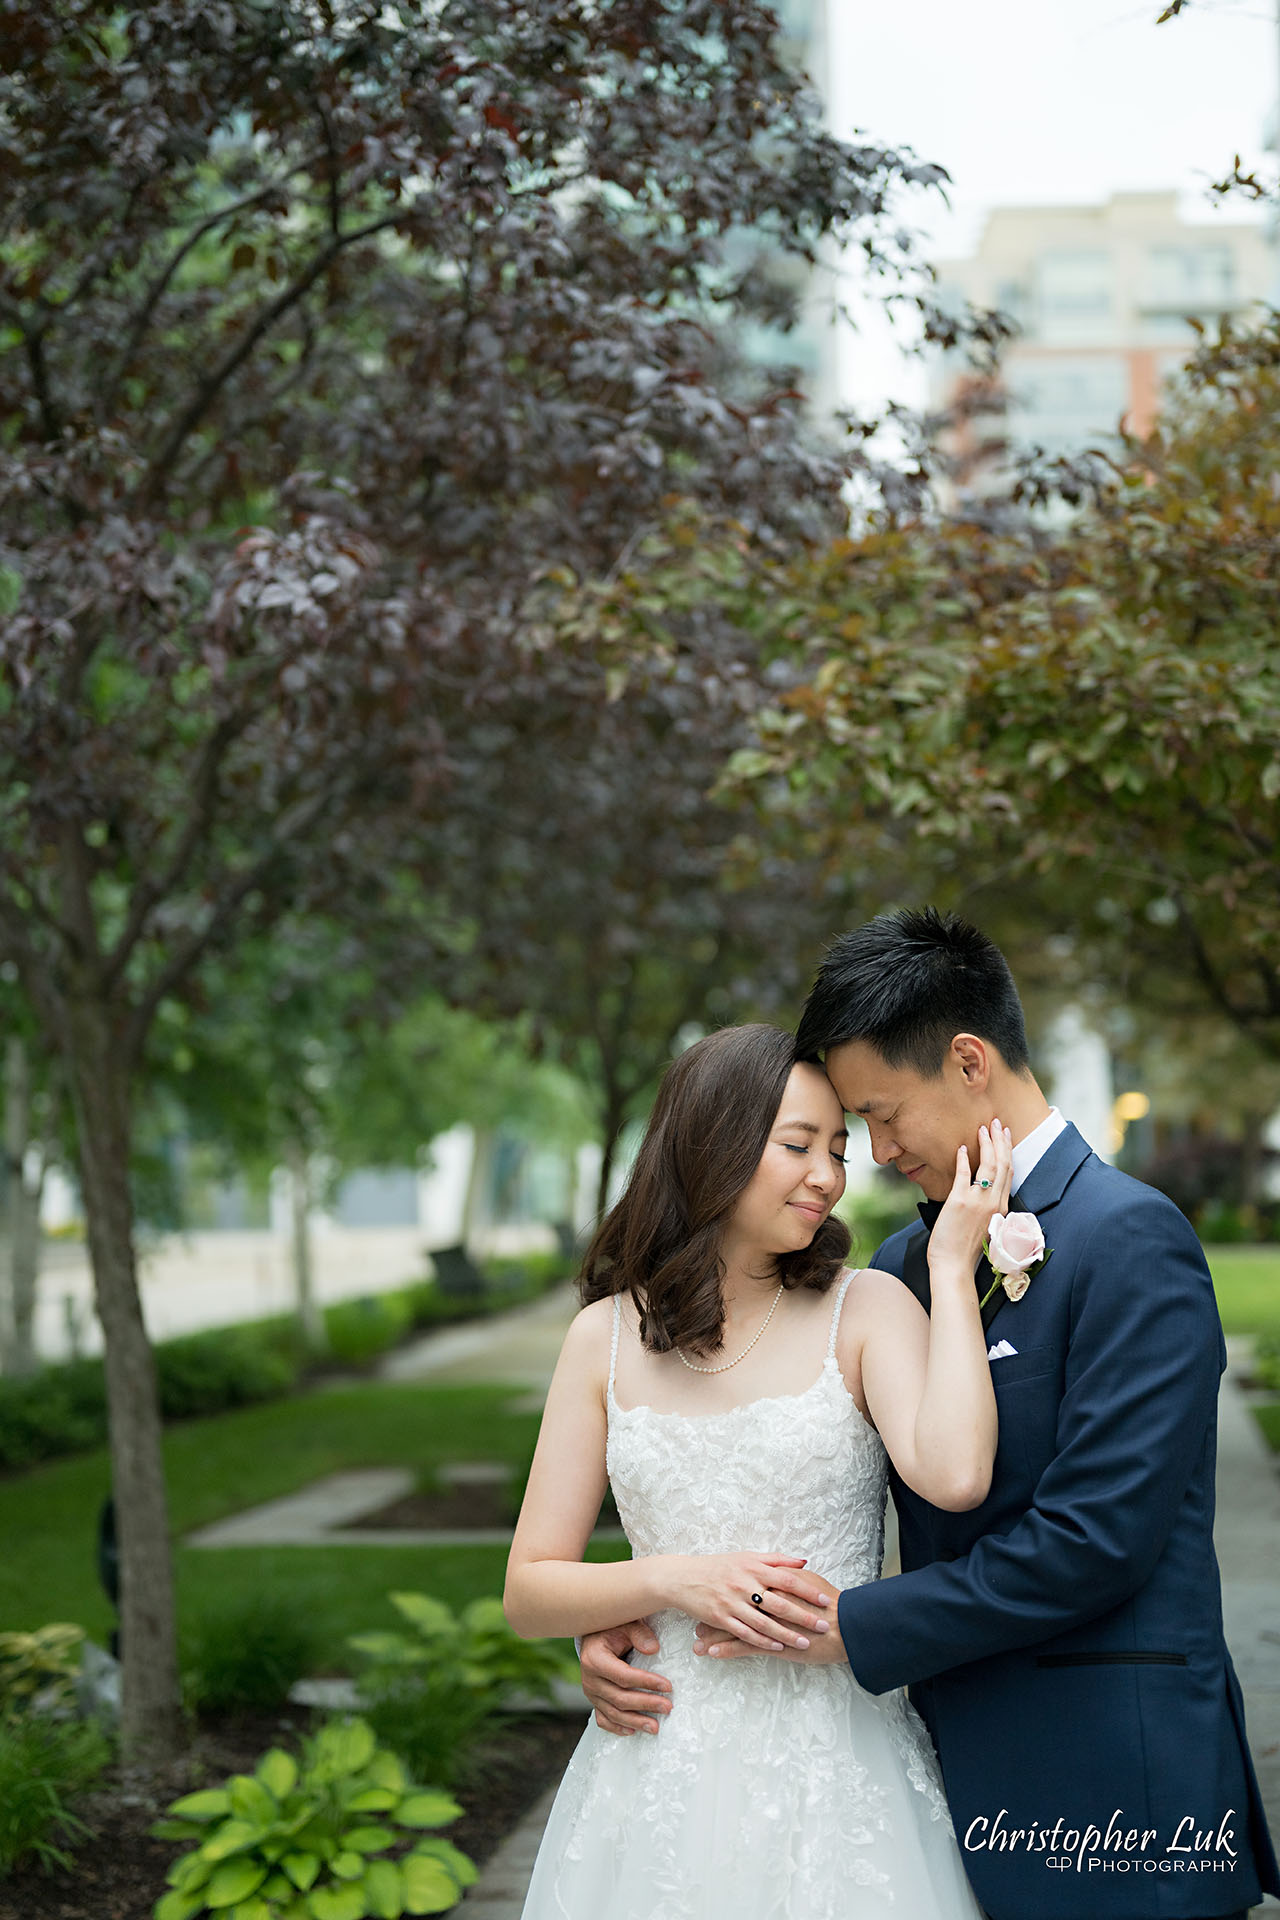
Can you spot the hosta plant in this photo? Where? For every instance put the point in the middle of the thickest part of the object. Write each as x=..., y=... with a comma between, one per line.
x=41, y=1665
x=475, y=1647
x=430, y=1691
x=320, y=1839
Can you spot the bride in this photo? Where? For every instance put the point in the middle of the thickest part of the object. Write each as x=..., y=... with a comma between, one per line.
x=740, y=1389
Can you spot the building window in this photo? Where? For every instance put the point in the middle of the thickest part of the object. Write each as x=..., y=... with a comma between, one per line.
x=1190, y=279
x=1075, y=285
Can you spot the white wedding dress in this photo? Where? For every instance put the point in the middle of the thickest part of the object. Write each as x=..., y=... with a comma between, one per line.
x=771, y=1791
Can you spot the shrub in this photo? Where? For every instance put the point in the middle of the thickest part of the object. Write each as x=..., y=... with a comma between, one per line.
x=1204, y=1176
x=428, y=1692
x=42, y=1665
x=313, y=1841
x=44, y=1765
x=226, y=1367
x=359, y=1330
x=248, y=1654
x=58, y=1410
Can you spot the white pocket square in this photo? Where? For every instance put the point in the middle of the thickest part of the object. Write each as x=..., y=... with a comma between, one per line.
x=1000, y=1351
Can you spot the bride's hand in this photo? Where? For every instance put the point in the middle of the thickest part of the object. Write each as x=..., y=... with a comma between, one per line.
x=717, y=1588
x=961, y=1227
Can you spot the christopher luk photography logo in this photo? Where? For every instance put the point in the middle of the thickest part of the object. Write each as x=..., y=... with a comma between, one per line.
x=1192, y=1845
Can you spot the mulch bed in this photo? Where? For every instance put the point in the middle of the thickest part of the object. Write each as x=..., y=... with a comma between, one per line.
x=458, y=1508
x=119, y=1874
x=486, y=1505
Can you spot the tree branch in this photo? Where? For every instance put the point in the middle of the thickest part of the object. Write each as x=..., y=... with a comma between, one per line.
x=158, y=287
x=210, y=387
x=200, y=816
x=190, y=951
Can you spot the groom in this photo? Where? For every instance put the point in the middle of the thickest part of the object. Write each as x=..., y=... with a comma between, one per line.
x=1063, y=1641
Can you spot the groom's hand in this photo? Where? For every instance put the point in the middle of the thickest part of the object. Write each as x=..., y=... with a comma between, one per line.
x=626, y=1699
x=824, y=1649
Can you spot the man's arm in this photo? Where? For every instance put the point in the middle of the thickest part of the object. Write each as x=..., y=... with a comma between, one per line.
x=1142, y=1379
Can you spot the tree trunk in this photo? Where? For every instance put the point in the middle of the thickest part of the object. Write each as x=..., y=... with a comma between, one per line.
x=1253, y=1158
x=479, y=1186
x=615, y=1119
x=151, y=1718
x=24, y=1213
x=310, y=1318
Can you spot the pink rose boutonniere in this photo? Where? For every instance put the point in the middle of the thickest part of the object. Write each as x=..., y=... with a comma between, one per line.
x=1015, y=1247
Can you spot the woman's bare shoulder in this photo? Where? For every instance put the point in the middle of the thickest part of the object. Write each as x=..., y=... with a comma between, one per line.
x=590, y=1331
x=874, y=1294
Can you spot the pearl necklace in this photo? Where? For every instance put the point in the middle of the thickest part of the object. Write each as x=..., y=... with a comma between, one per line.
x=695, y=1368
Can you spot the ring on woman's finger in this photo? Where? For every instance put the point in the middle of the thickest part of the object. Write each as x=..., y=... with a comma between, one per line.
x=757, y=1599
x=984, y=1183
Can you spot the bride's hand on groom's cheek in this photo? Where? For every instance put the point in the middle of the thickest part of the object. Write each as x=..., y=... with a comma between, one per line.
x=824, y=1649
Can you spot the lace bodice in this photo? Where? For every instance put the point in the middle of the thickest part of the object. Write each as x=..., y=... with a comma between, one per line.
x=800, y=1473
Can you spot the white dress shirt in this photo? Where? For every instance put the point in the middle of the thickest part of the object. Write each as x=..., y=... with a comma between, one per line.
x=1028, y=1153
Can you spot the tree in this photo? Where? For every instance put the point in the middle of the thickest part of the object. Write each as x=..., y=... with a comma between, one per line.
x=324, y=328
x=1087, y=712
x=605, y=894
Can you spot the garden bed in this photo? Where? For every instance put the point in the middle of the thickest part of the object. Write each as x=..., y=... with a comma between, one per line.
x=119, y=1873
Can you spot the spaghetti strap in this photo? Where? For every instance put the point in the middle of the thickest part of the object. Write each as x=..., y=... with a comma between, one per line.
x=613, y=1350
x=835, y=1315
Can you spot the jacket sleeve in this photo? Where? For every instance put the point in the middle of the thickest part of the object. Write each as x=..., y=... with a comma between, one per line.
x=1142, y=1368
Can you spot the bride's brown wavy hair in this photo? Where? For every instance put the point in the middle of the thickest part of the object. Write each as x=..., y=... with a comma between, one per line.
x=708, y=1130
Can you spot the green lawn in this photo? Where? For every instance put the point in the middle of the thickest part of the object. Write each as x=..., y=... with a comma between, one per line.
x=48, y=1516
x=1247, y=1283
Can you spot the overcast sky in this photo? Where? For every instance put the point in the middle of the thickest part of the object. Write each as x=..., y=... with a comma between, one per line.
x=1032, y=102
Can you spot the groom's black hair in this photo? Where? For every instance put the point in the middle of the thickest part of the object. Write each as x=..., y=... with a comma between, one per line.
x=906, y=983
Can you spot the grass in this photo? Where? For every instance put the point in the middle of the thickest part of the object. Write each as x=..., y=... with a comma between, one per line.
x=1247, y=1283
x=48, y=1516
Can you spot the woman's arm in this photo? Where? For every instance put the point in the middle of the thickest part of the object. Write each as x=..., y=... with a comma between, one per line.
x=926, y=1377
x=550, y=1590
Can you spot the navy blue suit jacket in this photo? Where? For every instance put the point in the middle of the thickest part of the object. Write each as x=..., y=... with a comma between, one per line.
x=1063, y=1641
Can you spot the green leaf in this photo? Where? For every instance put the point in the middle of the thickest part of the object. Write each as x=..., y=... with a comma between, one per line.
x=277, y=1887
x=178, y=1906
x=255, y=1909
x=190, y=1872
x=427, y=1810
x=386, y=1771
x=175, y=1830
x=461, y=1866
x=337, y=1903
x=233, y=1836
x=387, y=1647
x=347, y=1865
x=234, y=1880
x=302, y=1869
x=375, y=1800
x=384, y=1890
x=431, y=1617
x=429, y=1887
x=344, y=1748
x=370, y=1839
x=209, y=1804
x=278, y=1772
x=251, y=1801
